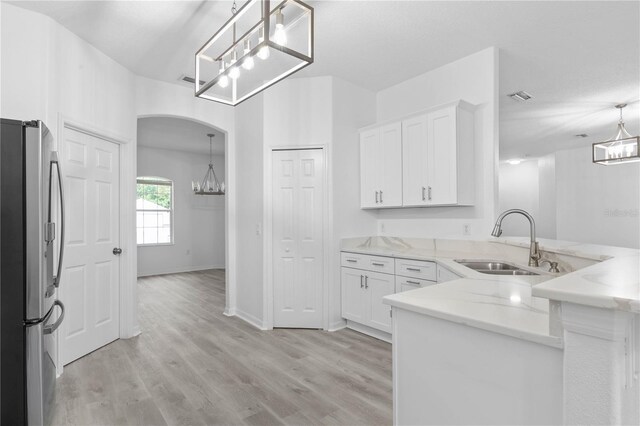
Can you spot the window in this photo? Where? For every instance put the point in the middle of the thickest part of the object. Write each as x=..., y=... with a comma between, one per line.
x=154, y=211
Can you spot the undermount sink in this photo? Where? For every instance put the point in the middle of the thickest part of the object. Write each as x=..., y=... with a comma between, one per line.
x=494, y=267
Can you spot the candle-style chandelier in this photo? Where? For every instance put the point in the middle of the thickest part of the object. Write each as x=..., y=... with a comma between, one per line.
x=622, y=148
x=255, y=49
x=210, y=184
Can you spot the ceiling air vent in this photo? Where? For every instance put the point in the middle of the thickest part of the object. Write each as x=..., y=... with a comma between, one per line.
x=190, y=80
x=520, y=96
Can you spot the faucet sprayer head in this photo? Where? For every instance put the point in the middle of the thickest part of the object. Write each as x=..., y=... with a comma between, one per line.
x=497, y=230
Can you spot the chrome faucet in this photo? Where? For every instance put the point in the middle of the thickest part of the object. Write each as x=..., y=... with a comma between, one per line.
x=534, y=251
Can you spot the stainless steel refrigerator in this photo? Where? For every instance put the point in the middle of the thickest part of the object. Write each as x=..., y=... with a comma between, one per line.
x=31, y=202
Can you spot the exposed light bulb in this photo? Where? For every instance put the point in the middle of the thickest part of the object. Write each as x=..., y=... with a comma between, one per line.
x=263, y=52
x=224, y=80
x=280, y=36
x=248, y=62
x=234, y=72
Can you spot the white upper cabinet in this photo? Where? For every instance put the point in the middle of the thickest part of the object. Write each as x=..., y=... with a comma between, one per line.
x=424, y=160
x=414, y=161
x=381, y=166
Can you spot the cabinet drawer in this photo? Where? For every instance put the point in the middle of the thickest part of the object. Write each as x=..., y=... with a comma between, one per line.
x=352, y=260
x=368, y=263
x=406, y=284
x=416, y=269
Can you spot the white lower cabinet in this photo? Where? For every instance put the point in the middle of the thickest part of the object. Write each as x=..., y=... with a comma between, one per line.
x=353, y=300
x=379, y=285
x=366, y=279
x=362, y=293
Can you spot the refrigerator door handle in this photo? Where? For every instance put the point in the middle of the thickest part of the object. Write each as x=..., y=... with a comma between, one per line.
x=48, y=329
x=54, y=160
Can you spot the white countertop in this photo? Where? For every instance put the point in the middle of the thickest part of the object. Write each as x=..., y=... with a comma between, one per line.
x=600, y=276
x=499, y=306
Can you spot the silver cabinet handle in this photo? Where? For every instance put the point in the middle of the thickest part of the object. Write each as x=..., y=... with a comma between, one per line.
x=377, y=197
x=413, y=269
x=412, y=282
x=366, y=281
x=424, y=197
x=48, y=329
x=377, y=264
x=352, y=260
x=429, y=192
x=54, y=160
x=361, y=283
x=381, y=197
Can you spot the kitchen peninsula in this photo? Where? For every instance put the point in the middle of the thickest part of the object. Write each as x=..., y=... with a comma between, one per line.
x=550, y=348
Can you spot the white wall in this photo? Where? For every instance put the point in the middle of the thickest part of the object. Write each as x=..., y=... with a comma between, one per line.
x=475, y=79
x=249, y=129
x=597, y=204
x=198, y=221
x=519, y=189
x=530, y=185
x=573, y=199
x=52, y=72
x=546, y=218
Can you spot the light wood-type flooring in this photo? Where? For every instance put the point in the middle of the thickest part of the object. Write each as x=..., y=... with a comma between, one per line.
x=192, y=366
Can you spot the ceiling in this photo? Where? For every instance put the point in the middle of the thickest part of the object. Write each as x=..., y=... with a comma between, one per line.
x=178, y=134
x=577, y=59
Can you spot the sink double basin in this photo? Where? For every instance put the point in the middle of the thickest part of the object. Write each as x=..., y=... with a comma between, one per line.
x=492, y=267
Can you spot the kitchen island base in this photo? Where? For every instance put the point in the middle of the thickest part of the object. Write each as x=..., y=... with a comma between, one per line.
x=451, y=373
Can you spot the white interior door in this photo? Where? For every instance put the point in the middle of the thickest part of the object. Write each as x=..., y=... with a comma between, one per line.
x=90, y=282
x=298, y=204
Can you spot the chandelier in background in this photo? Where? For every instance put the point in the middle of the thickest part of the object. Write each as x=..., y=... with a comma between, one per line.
x=210, y=184
x=622, y=148
x=255, y=49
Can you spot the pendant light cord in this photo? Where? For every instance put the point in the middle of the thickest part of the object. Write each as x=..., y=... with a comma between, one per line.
x=210, y=149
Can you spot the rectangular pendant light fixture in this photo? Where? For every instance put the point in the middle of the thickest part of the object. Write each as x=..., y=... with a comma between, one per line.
x=617, y=152
x=620, y=149
x=255, y=49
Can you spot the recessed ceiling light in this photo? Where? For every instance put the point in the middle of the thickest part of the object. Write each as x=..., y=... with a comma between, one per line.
x=520, y=96
x=514, y=161
x=582, y=135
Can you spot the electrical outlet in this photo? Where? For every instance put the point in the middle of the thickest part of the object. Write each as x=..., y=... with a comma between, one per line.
x=382, y=229
x=466, y=229
x=258, y=229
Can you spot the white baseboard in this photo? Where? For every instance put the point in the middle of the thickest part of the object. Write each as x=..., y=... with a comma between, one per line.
x=179, y=270
x=136, y=331
x=380, y=335
x=246, y=317
x=338, y=325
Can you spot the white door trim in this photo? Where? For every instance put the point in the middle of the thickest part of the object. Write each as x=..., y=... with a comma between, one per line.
x=267, y=226
x=129, y=326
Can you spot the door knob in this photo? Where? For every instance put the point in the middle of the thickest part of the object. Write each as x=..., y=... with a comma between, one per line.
x=117, y=250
